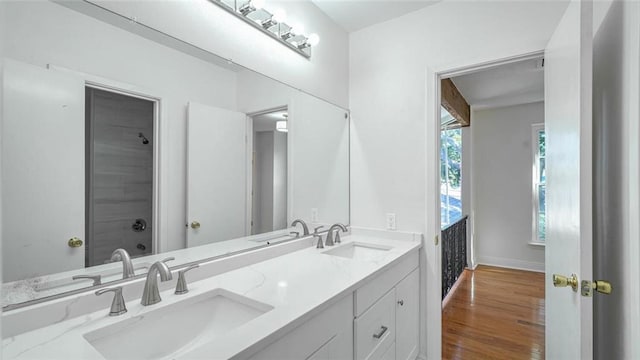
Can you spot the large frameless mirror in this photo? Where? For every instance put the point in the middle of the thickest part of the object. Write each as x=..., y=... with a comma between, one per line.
x=121, y=139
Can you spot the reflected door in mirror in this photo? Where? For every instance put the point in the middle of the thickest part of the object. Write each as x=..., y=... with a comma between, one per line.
x=119, y=174
x=43, y=185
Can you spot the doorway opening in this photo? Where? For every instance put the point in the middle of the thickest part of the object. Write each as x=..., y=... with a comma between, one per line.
x=270, y=170
x=119, y=148
x=492, y=209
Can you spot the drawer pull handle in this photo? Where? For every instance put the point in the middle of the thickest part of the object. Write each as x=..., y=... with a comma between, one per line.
x=383, y=329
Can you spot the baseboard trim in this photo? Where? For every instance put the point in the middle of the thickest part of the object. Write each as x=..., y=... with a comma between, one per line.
x=510, y=263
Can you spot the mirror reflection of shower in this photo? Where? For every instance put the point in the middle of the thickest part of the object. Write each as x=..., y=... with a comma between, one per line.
x=269, y=180
x=145, y=141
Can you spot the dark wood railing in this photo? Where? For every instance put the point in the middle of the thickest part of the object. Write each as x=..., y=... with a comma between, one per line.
x=454, y=253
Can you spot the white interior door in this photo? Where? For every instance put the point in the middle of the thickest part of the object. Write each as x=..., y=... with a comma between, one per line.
x=216, y=174
x=43, y=178
x=568, y=88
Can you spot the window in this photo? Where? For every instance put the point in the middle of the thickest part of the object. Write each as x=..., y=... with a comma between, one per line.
x=539, y=183
x=450, y=176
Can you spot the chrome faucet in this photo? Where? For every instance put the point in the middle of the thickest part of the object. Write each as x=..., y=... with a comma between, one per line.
x=151, y=294
x=305, y=228
x=330, y=239
x=127, y=266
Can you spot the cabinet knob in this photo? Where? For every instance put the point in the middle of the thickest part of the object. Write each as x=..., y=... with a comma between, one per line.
x=195, y=225
x=401, y=302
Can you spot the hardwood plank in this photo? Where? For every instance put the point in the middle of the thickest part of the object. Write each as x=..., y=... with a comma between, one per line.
x=495, y=313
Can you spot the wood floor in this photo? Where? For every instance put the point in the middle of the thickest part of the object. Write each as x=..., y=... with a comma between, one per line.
x=495, y=313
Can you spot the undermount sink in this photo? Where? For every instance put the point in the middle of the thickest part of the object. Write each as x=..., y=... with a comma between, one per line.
x=359, y=251
x=173, y=329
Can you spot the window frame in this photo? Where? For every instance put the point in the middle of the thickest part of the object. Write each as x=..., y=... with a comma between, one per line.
x=535, y=184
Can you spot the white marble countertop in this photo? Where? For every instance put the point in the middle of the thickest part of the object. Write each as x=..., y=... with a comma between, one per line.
x=47, y=285
x=298, y=285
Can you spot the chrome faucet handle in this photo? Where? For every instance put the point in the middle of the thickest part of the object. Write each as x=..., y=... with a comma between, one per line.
x=319, y=245
x=181, y=286
x=296, y=233
x=168, y=259
x=97, y=279
x=315, y=230
x=117, y=306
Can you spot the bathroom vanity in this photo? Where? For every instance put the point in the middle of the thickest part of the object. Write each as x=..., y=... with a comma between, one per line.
x=357, y=299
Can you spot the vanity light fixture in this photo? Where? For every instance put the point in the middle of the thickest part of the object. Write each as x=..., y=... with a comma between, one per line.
x=281, y=125
x=271, y=23
x=250, y=7
x=294, y=31
x=279, y=16
x=312, y=40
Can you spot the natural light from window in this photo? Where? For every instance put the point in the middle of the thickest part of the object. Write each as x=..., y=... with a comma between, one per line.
x=539, y=183
x=450, y=174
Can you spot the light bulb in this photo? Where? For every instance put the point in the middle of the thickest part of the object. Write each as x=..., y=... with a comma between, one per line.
x=257, y=4
x=279, y=16
x=313, y=39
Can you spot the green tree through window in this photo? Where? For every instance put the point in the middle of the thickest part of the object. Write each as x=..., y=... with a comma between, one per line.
x=450, y=176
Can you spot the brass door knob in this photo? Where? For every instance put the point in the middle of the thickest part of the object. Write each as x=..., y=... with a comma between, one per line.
x=563, y=281
x=195, y=225
x=74, y=242
x=601, y=286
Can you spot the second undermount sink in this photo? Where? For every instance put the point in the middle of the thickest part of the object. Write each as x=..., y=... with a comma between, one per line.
x=176, y=328
x=359, y=251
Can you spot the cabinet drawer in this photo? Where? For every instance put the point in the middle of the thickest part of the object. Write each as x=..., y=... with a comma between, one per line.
x=375, y=329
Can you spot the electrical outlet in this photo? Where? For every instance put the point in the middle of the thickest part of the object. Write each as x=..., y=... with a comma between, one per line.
x=391, y=221
x=314, y=215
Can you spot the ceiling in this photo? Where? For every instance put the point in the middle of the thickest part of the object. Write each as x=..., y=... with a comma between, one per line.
x=505, y=85
x=354, y=15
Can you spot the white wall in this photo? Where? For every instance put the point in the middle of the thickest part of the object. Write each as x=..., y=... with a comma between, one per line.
x=502, y=186
x=214, y=30
x=317, y=147
x=389, y=63
x=616, y=132
x=2, y=35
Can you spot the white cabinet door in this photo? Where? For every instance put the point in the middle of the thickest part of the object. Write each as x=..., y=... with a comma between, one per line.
x=407, y=317
x=216, y=174
x=328, y=335
x=43, y=171
x=568, y=126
